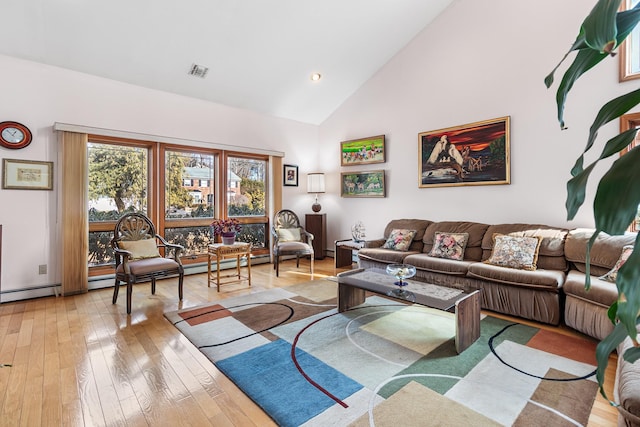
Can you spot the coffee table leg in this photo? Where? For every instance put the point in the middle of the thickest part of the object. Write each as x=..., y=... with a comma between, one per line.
x=348, y=297
x=467, y=321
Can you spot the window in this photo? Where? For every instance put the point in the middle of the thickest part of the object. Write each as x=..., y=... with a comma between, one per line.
x=189, y=210
x=181, y=189
x=118, y=183
x=630, y=49
x=246, y=197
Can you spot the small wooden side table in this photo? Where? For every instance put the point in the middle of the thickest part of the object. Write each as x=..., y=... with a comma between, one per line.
x=343, y=252
x=221, y=251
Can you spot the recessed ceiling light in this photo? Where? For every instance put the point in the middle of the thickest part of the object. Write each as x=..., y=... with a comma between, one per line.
x=316, y=76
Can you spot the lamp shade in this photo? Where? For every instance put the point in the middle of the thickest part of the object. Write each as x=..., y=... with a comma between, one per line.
x=315, y=183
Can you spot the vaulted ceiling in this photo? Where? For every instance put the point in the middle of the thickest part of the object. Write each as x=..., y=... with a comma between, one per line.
x=260, y=54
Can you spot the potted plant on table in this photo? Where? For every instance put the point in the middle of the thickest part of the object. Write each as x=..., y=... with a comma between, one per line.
x=618, y=194
x=226, y=228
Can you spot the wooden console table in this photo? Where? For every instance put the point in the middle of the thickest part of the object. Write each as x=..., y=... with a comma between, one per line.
x=221, y=251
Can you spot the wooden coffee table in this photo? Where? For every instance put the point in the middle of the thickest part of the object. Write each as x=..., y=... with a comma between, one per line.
x=352, y=286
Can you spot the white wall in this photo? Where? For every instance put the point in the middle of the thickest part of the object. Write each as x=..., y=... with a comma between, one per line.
x=479, y=60
x=39, y=95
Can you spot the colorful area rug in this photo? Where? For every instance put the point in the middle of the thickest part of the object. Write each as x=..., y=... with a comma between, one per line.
x=385, y=363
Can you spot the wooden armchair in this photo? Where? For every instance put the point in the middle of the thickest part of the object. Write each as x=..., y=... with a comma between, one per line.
x=135, y=245
x=289, y=238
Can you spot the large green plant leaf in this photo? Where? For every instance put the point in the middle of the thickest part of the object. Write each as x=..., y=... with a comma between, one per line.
x=576, y=187
x=600, y=28
x=618, y=194
x=587, y=58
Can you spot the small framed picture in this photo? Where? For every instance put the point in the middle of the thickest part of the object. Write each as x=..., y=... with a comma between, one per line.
x=290, y=175
x=363, y=151
x=27, y=175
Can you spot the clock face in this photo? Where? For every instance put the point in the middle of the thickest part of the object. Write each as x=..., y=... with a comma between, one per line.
x=14, y=135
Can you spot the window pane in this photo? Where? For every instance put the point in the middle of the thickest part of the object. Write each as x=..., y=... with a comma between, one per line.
x=100, y=252
x=189, y=189
x=254, y=234
x=117, y=181
x=194, y=239
x=246, y=187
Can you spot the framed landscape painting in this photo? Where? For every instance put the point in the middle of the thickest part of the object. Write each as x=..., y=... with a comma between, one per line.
x=363, y=151
x=363, y=184
x=472, y=154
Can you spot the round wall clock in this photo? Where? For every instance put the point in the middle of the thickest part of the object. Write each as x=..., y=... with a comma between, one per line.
x=14, y=135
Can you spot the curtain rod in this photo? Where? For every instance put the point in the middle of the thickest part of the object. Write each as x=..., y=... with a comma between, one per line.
x=66, y=127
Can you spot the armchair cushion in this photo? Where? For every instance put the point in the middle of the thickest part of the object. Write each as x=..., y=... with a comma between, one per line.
x=288, y=234
x=140, y=249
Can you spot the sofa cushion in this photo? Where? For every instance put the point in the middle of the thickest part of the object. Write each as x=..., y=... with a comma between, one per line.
x=420, y=225
x=551, y=279
x=601, y=292
x=612, y=274
x=438, y=265
x=449, y=245
x=475, y=230
x=385, y=256
x=399, y=239
x=552, y=247
x=605, y=251
x=520, y=252
x=627, y=386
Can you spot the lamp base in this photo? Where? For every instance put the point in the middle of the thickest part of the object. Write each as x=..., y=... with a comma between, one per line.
x=316, y=207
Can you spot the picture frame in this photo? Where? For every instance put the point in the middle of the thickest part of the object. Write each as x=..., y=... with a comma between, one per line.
x=290, y=175
x=471, y=154
x=363, y=184
x=363, y=151
x=629, y=50
x=27, y=175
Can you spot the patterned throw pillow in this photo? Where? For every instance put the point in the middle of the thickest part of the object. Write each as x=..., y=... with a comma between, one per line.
x=515, y=252
x=140, y=249
x=399, y=240
x=449, y=245
x=612, y=275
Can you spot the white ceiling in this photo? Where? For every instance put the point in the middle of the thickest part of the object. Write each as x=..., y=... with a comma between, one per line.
x=260, y=53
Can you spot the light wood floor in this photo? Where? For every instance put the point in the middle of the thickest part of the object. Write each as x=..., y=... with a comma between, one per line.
x=79, y=360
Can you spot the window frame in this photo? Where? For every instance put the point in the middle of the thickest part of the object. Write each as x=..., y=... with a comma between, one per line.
x=630, y=121
x=625, y=72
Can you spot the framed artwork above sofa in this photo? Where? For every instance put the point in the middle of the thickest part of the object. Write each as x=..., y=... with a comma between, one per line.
x=471, y=154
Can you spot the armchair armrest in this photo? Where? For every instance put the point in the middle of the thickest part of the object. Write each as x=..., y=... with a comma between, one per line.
x=177, y=249
x=309, y=236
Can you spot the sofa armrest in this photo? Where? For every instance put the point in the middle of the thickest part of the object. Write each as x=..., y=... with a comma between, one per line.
x=374, y=243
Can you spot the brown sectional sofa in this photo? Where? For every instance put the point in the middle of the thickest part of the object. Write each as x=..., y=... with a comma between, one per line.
x=532, y=295
x=552, y=293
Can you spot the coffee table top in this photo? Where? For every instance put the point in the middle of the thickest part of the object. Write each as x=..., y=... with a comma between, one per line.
x=378, y=281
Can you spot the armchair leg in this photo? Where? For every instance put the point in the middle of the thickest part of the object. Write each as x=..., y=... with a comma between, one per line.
x=180, y=280
x=311, y=265
x=116, y=288
x=297, y=261
x=277, y=266
x=129, y=292
x=153, y=285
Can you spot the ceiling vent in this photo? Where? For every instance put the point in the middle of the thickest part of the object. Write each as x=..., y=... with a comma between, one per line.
x=199, y=71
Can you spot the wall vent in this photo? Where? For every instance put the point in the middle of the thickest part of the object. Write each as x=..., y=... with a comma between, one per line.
x=199, y=71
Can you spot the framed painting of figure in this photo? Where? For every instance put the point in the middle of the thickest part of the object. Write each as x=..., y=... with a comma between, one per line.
x=470, y=154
